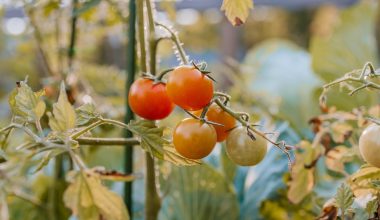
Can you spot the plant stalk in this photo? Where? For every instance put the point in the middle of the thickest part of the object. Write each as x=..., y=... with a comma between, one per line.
x=152, y=199
x=73, y=36
x=131, y=69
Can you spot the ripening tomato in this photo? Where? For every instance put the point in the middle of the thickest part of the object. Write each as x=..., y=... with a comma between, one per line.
x=369, y=145
x=243, y=150
x=189, y=88
x=218, y=115
x=149, y=100
x=194, y=139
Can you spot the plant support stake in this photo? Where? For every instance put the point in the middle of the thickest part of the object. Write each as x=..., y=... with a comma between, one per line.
x=131, y=65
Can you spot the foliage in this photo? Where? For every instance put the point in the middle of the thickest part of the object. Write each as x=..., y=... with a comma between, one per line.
x=196, y=192
x=237, y=11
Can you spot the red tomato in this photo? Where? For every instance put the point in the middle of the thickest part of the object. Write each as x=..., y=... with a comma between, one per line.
x=149, y=100
x=189, y=88
x=194, y=139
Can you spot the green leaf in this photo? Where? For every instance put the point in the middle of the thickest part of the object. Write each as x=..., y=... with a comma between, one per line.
x=85, y=7
x=26, y=103
x=228, y=167
x=63, y=118
x=272, y=210
x=344, y=197
x=86, y=114
x=90, y=200
x=153, y=142
x=347, y=45
x=47, y=157
x=302, y=181
x=196, y=192
x=237, y=11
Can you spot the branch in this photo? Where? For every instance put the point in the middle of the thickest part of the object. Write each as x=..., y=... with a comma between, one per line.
x=363, y=78
x=108, y=141
x=23, y=128
x=39, y=40
x=73, y=36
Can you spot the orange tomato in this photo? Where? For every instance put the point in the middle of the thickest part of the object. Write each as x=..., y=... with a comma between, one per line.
x=189, y=88
x=194, y=139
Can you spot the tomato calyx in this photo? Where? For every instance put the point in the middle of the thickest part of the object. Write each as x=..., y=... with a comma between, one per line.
x=159, y=78
x=203, y=119
x=201, y=67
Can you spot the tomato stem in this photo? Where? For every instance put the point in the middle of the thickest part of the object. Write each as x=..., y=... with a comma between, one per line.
x=163, y=73
x=177, y=43
x=141, y=33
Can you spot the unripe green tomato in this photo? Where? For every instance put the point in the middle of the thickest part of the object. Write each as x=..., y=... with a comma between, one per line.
x=243, y=150
x=369, y=145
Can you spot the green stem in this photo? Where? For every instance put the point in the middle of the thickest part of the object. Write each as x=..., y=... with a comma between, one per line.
x=131, y=69
x=152, y=200
x=97, y=123
x=178, y=44
x=152, y=37
x=73, y=36
x=39, y=41
x=141, y=34
x=86, y=129
x=39, y=128
x=108, y=141
x=163, y=73
x=23, y=128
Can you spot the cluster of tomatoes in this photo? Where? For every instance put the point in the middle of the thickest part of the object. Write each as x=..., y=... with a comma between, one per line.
x=192, y=89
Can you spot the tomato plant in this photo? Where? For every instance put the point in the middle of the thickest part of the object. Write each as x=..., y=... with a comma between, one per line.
x=149, y=99
x=60, y=145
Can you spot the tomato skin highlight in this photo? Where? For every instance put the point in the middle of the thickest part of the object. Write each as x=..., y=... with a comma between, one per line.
x=148, y=100
x=369, y=145
x=244, y=151
x=194, y=139
x=190, y=89
x=218, y=115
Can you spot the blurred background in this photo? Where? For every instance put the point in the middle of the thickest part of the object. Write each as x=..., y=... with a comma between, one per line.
x=274, y=66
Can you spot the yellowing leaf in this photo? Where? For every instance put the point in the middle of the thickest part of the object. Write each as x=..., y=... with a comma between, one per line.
x=361, y=182
x=335, y=159
x=63, y=117
x=237, y=11
x=302, y=181
x=340, y=131
x=90, y=200
x=26, y=103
